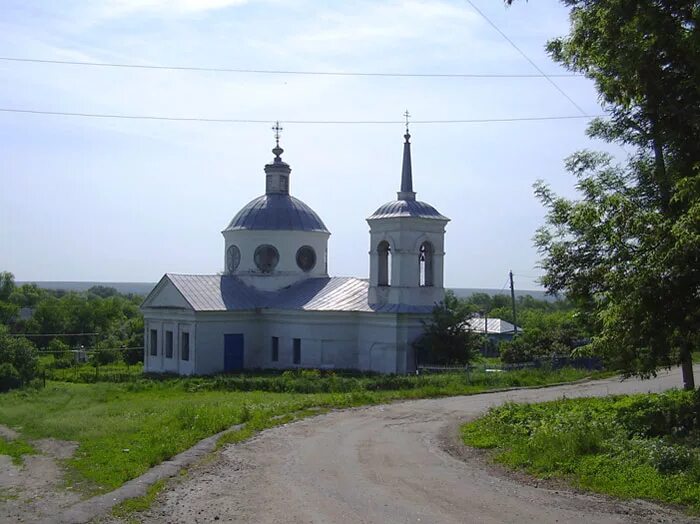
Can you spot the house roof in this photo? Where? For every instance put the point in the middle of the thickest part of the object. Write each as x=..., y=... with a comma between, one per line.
x=230, y=293
x=494, y=326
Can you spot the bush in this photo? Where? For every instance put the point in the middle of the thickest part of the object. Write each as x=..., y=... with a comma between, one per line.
x=9, y=377
x=62, y=356
x=516, y=351
x=102, y=357
x=133, y=355
x=20, y=357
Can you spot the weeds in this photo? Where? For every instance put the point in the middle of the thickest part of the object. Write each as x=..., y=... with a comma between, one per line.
x=640, y=446
x=16, y=449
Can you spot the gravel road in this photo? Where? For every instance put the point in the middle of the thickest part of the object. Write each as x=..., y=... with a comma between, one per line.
x=397, y=463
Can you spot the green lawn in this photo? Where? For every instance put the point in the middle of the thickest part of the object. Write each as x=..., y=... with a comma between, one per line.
x=123, y=429
x=635, y=446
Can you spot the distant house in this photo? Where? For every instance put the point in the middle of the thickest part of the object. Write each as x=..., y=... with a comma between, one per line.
x=496, y=331
x=26, y=313
x=493, y=327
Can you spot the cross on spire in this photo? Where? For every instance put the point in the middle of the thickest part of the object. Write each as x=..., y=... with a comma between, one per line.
x=277, y=129
x=407, y=115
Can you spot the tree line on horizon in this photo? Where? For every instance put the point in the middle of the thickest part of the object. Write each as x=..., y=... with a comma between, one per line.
x=103, y=324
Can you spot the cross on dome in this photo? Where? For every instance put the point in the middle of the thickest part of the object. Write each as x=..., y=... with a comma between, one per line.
x=277, y=128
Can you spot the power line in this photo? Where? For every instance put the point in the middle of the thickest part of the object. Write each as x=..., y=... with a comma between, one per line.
x=85, y=350
x=532, y=63
x=259, y=121
x=284, y=72
x=50, y=334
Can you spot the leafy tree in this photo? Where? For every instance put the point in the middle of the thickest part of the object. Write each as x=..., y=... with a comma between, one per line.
x=544, y=334
x=628, y=251
x=27, y=295
x=8, y=312
x=103, y=291
x=447, y=339
x=7, y=285
x=18, y=361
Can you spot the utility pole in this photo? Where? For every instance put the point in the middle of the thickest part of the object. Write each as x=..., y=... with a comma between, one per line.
x=512, y=299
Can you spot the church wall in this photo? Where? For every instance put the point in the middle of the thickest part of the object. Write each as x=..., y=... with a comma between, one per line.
x=328, y=339
x=176, y=321
x=376, y=344
x=385, y=342
x=409, y=329
x=211, y=328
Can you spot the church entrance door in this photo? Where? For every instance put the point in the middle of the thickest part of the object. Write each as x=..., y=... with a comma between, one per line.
x=233, y=352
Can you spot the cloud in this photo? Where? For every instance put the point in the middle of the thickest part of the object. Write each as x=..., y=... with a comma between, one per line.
x=372, y=23
x=119, y=8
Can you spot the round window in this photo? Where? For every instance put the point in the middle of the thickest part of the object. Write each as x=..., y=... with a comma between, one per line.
x=266, y=258
x=306, y=258
x=233, y=258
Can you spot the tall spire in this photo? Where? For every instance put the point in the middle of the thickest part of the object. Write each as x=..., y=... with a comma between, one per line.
x=406, y=192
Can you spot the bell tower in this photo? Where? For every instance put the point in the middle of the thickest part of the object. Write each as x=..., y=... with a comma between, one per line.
x=407, y=247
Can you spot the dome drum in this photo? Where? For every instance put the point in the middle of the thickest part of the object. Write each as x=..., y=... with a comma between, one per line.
x=271, y=259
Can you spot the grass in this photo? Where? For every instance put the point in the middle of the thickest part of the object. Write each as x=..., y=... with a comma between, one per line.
x=635, y=446
x=123, y=429
x=87, y=373
x=15, y=449
x=128, y=507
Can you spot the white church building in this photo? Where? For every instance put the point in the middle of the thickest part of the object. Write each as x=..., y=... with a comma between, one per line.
x=275, y=306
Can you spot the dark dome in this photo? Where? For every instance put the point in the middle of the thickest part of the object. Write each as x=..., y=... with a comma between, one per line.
x=407, y=208
x=279, y=212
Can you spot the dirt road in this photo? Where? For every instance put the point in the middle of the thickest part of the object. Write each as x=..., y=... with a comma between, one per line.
x=390, y=464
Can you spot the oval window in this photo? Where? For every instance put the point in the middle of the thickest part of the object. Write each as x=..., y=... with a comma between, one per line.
x=306, y=258
x=233, y=258
x=266, y=258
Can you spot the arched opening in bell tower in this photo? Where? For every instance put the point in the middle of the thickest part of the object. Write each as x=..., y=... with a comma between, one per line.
x=425, y=262
x=384, y=256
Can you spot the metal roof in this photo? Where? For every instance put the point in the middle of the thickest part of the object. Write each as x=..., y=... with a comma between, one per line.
x=277, y=212
x=494, y=326
x=407, y=208
x=229, y=293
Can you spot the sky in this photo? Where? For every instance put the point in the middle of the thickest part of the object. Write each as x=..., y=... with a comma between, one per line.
x=100, y=199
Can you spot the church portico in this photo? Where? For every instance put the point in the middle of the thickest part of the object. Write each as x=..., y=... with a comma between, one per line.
x=274, y=305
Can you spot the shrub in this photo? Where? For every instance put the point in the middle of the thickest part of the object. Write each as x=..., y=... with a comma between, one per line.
x=21, y=357
x=133, y=355
x=102, y=357
x=9, y=377
x=516, y=351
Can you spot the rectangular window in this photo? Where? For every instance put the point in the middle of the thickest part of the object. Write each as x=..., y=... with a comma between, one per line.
x=185, y=346
x=297, y=351
x=275, y=349
x=168, y=344
x=154, y=342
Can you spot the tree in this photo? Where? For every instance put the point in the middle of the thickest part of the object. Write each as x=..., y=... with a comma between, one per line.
x=18, y=361
x=628, y=251
x=103, y=291
x=27, y=295
x=447, y=339
x=7, y=285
